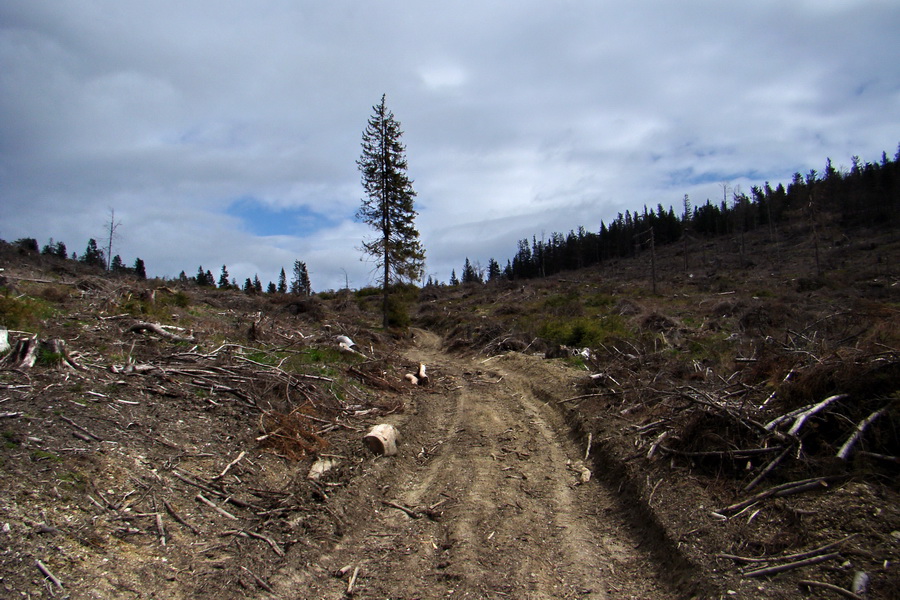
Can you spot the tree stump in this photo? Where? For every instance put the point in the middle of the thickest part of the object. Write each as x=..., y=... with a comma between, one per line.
x=382, y=439
x=30, y=350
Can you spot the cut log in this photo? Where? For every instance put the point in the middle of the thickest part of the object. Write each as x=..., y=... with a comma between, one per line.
x=382, y=439
x=423, y=378
x=142, y=326
x=4, y=339
x=321, y=466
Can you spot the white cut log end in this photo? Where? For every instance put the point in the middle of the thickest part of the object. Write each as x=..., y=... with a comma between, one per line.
x=320, y=467
x=4, y=340
x=382, y=439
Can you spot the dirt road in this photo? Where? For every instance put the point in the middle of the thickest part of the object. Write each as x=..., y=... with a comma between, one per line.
x=500, y=506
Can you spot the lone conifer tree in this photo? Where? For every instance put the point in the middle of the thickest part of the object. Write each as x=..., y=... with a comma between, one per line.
x=388, y=205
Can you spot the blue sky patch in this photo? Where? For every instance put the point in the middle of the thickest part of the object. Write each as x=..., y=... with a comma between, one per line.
x=264, y=220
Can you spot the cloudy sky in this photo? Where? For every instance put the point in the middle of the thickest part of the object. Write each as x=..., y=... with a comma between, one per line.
x=226, y=132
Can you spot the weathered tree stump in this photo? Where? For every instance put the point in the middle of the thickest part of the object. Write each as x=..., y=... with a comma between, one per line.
x=31, y=350
x=382, y=439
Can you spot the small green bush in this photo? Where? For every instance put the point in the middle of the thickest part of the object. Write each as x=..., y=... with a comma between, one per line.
x=398, y=312
x=19, y=313
x=583, y=332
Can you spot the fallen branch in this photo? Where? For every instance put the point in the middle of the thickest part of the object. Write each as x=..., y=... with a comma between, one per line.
x=796, y=556
x=659, y=440
x=190, y=480
x=259, y=581
x=216, y=508
x=790, y=566
x=161, y=529
x=721, y=453
x=802, y=417
x=80, y=428
x=779, y=490
x=847, y=448
x=413, y=514
x=827, y=586
x=352, y=581
x=47, y=573
x=142, y=326
x=230, y=465
x=179, y=518
x=259, y=536
x=885, y=457
x=768, y=469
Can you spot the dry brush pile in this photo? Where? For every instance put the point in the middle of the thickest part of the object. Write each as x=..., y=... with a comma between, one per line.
x=151, y=438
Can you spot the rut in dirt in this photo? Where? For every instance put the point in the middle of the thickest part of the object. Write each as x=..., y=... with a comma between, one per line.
x=498, y=488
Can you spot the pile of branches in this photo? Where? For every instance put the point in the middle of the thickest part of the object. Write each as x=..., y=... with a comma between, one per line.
x=828, y=416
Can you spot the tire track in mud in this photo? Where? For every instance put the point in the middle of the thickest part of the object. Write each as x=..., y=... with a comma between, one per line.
x=515, y=521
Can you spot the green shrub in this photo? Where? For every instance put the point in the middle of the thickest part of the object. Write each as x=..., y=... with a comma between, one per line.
x=583, y=332
x=398, y=312
x=19, y=313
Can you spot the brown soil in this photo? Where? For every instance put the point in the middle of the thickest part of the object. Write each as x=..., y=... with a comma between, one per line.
x=179, y=469
x=500, y=506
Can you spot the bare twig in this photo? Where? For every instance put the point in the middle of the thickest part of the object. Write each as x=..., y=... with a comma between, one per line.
x=827, y=586
x=216, y=508
x=789, y=566
x=48, y=574
x=178, y=517
x=769, y=468
x=409, y=511
x=259, y=536
x=659, y=440
x=779, y=490
x=161, y=529
x=230, y=465
x=259, y=581
x=352, y=582
x=796, y=556
x=80, y=428
x=802, y=417
x=847, y=448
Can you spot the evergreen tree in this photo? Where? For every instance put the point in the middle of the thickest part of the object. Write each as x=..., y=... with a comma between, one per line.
x=271, y=289
x=117, y=266
x=31, y=245
x=282, y=282
x=453, y=279
x=388, y=205
x=248, y=286
x=471, y=274
x=204, y=278
x=300, y=285
x=223, y=279
x=93, y=255
x=305, y=285
x=52, y=248
x=494, y=272
x=139, y=270
x=257, y=284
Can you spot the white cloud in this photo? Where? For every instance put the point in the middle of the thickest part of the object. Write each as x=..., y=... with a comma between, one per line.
x=519, y=118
